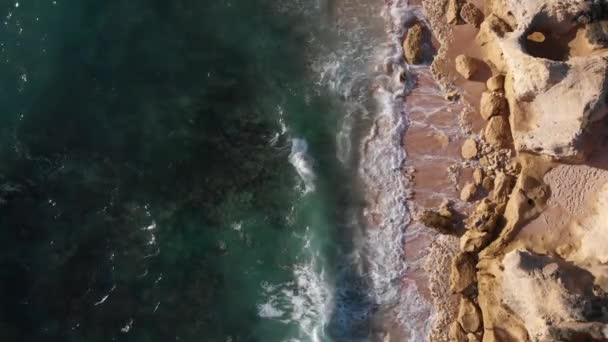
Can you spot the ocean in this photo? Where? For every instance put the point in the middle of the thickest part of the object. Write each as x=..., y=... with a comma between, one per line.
x=191, y=171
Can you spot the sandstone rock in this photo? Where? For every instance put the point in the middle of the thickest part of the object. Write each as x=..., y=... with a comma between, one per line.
x=471, y=14
x=478, y=176
x=488, y=183
x=462, y=272
x=490, y=32
x=468, y=192
x=492, y=104
x=452, y=12
x=484, y=218
x=473, y=337
x=466, y=66
x=556, y=90
x=438, y=221
x=469, y=316
x=497, y=132
x=456, y=334
x=496, y=83
x=469, y=149
x=473, y=240
x=412, y=44
x=554, y=299
x=503, y=184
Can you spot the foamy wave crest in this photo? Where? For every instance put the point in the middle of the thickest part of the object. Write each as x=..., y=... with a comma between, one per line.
x=303, y=163
x=388, y=188
x=305, y=302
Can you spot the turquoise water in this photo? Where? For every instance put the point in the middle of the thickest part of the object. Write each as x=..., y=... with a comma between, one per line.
x=169, y=171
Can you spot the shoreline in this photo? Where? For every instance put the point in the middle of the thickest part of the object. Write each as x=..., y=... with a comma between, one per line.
x=505, y=203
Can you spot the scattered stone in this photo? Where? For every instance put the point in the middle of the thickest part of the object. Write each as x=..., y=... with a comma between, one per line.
x=497, y=132
x=462, y=272
x=469, y=149
x=496, y=83
x=469, y=316
x=471, y=14
x=412, y=45
x=468, y=192
x=488, y=183
x=537, y=37
x=473, y=240
x=452, y=13
x=440, y=221
x=478, y=176
x=456, y=334
x=484, y=218
x=493, y=103
x=466, y=66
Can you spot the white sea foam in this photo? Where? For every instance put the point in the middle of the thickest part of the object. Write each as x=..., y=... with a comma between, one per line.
x=303, y=163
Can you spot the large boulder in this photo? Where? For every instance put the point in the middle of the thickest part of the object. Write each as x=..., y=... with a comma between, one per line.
x=412, y=44
x=553, y=298
x=556, y=83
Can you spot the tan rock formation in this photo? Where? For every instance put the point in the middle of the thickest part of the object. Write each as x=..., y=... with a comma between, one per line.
x=496, y=83
x=468, y=192
x=456, y=334
x=412, y=44
x=471, y=14
x=493, y=103
x=473, y=240
x=469, y=149
x=469, y=316
x=497, y=132
x=552, y=297
x=462, y=272
x=452, y=12
x=555, y=89
x=466, y=66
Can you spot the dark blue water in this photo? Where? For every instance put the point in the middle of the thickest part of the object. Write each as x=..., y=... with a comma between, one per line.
x=169, y=171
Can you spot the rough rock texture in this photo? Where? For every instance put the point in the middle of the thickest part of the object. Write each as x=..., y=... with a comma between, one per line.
x=493, y=103
x=437, y=220
x=484, y=218
x=556, y=88
x=452, y=12
x=552, y=297
x=466, y=66
x=462, y=272
x=456, y=333
x=471, y=14
x=469, y=316
x=496, y=83
x=503, y=184
x=412, y=44
x=469, y=149
x=478, y=176
x=473, y=241
x=473, y=337
x=497, y=132
x=468, y=192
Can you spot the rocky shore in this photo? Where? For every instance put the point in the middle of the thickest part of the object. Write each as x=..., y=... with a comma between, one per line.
x=532, y=258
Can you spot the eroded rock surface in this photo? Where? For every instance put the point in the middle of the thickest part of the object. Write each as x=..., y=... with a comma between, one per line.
x=552, y=297
x=556, y=82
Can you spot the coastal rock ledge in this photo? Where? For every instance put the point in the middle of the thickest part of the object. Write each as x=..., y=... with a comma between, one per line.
x=556, y=66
